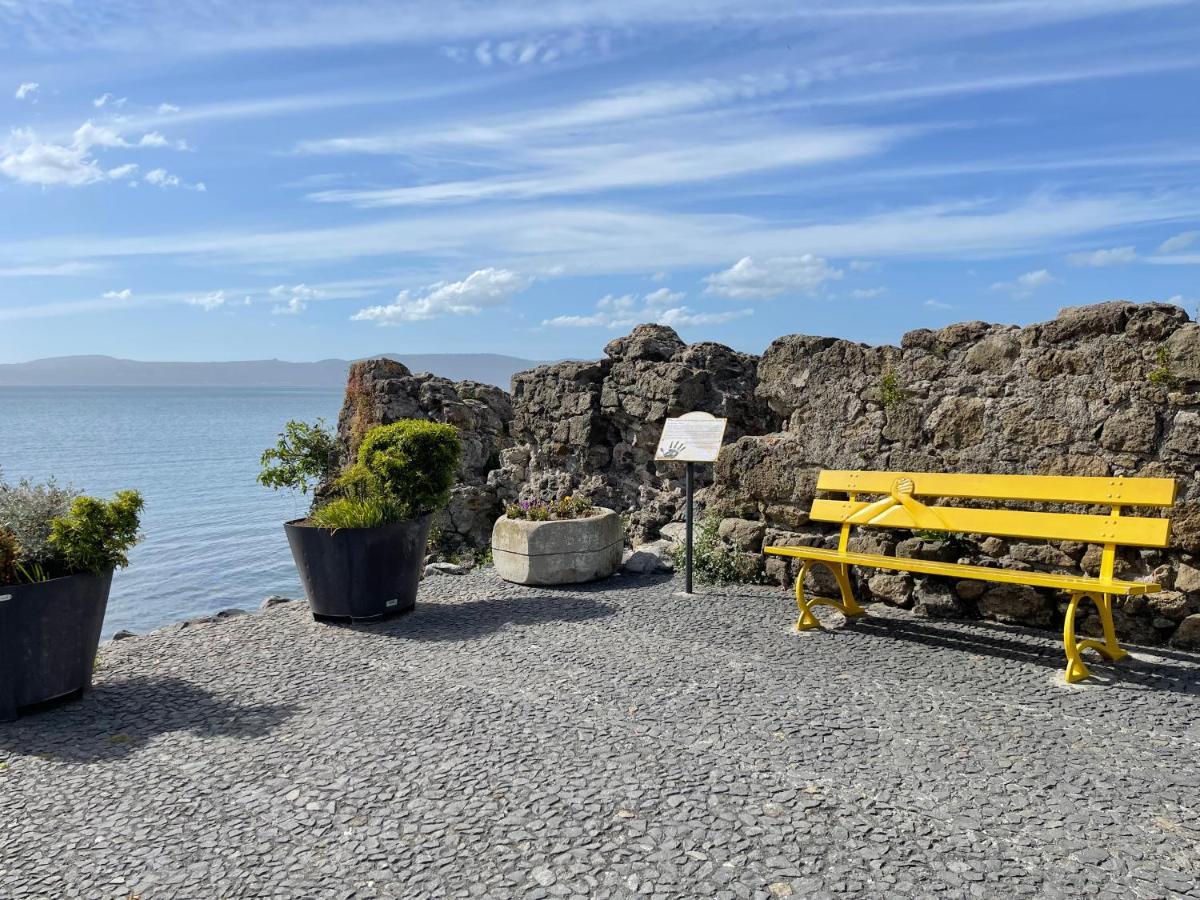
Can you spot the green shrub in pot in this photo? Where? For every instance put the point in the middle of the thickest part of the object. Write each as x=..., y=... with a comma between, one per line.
x=58, y=551
x=361, y=549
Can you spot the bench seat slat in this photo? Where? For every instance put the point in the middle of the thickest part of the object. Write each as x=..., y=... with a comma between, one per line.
x=1131, y=531
x=959, y=570
x=1090, y=490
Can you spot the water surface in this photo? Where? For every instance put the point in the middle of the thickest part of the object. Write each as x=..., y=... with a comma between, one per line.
x=213, y=537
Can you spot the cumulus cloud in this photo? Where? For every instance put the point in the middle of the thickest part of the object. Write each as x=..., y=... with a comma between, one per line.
x=1179, y=242
x=123, y=294
x=1098, y=259
x=208, y=302
x=1026, y=284
x=625, y=311
x=481, y=289
x=750, y=280
x=26, y=158
x=292, y=300
x=26, y=90
x=166, y=109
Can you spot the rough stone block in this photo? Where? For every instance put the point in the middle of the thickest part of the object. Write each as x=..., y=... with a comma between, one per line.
x=558, y=552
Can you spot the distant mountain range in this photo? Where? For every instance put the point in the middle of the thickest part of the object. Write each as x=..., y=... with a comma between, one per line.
x=488, y=368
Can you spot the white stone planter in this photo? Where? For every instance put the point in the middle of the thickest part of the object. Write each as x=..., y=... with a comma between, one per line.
x=565, y=551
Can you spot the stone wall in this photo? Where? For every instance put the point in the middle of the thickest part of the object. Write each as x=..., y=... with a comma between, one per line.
x=1106, y=389
x=382, y=391
x=1110, y=389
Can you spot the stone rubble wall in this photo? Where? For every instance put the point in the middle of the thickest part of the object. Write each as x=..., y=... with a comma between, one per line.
x=1109, y=389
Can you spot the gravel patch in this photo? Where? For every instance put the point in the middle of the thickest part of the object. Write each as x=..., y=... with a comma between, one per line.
x=607, y=740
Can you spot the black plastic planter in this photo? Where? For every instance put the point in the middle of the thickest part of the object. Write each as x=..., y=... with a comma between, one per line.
x=49, y=633
x=360, y=574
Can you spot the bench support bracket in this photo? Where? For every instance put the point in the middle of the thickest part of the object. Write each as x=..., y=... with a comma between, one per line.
x=1109, y=648
x=847, y=606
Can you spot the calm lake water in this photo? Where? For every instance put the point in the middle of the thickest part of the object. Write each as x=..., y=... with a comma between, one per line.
x=213, y=537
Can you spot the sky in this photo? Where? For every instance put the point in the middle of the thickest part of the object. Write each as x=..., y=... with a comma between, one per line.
x=211, y=180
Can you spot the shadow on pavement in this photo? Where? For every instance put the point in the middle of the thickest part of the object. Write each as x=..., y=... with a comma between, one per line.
x=115, y=718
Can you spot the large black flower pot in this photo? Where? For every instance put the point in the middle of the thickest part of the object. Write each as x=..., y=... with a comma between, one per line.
x=49, y=633
x=360, y=574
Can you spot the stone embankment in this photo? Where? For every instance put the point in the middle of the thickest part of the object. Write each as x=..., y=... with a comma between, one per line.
x=1110, y=389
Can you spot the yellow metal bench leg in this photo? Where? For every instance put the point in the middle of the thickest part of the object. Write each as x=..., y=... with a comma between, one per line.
x=847, y=606
x=807, y=620
x=1076, y=669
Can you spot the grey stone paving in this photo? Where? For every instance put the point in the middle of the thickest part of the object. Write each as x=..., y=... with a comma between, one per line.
x=613, y=740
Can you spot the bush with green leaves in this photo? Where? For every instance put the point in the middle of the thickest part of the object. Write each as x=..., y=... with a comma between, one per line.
x=306, y=456
x=97, y=535
x=414, y=462
x=27, y=511
x=401, y=471
x=712, y=561
x=48, y=531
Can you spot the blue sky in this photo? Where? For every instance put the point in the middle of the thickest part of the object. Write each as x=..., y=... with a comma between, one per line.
x=302, y=180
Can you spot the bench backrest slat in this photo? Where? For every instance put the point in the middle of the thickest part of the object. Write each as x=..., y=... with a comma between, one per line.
x=1134, y=531
x=1033, y=488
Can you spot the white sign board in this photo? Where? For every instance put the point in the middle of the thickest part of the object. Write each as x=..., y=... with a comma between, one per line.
x=695, y=437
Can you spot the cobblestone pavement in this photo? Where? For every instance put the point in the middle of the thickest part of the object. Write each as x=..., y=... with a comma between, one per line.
x=615, y=740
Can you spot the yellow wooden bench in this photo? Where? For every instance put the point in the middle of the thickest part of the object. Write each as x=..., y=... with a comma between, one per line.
x=890, y=500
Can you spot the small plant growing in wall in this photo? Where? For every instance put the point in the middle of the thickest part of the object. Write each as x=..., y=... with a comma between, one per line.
x=712, y=561
x=1161, y=374
x=890, y=391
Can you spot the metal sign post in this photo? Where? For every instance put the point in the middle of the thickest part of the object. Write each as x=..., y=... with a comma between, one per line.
x=691, y=438
x=688, y=481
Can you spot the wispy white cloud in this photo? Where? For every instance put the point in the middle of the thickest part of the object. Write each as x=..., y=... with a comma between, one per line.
x=161, y=178
x=51, y=270
x=228, y=26
x=747, y=279
x=26, y=90
x=868, y=293
x=208, y=302
x=658, y=306
x=484, y=288
x=1178, y=242
x=167, y=109
x=544, y=49
x=596, y=238
x=1025, y=285
x=1098, y=259
x=594, y=168
x=123, y=294
x=108, y=100
x=936, y=304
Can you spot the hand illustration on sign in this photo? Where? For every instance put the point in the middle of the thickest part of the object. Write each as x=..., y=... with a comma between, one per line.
x=673, y=449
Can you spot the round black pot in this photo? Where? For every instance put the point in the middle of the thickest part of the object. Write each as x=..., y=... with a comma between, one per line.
x=360, y=574
x=49, y=633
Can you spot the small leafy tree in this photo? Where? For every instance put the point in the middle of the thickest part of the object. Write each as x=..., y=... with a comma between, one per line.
x=96, y=535
x=306, y=456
